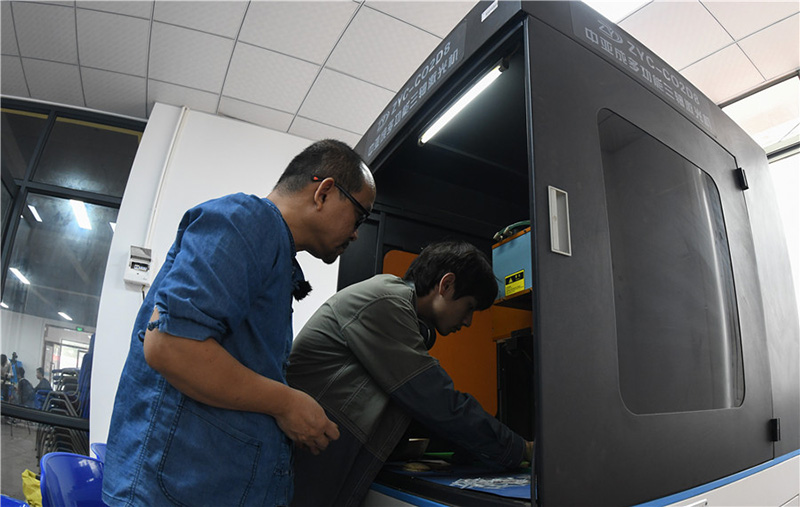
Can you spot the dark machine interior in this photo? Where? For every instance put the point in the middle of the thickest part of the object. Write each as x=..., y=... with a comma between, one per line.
x=468, y=182
x=474, y=172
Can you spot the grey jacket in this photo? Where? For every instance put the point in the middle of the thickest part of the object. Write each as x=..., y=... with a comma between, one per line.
x=362, y=357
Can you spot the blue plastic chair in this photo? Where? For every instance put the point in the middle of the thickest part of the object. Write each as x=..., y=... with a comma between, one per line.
x=7, y=501
x=99, y=450
x=71, y=480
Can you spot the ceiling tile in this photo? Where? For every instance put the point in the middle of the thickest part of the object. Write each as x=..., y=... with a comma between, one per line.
x=344, y=102
x=741, y=19
x=113, y=42
x=251, y=113
x=220, y=18
x=438, y=18
x=679, y=32
x=306, y=30
x=46, y=32
x=316, y=131
x=189, y=58
x=9, y=36
x=113, y=92
x=264, y=77
x=175, y=95
x=769, y=114
x=761, y=48
x=724, y=75
x=138, y=8
x=13, y=82
x=380, y=49
x=54, y=82
x=616, y=11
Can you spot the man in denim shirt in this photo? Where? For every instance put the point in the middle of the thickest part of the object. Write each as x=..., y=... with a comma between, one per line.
x=203, y=415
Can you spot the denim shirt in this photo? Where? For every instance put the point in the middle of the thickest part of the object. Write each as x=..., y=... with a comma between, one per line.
x=229, y=276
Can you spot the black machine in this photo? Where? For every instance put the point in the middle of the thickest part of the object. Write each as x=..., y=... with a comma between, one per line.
x=665, y=338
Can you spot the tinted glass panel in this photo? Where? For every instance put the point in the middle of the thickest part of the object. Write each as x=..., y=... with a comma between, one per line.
x=20, y=133
x=88, y=156
x=62, y=262
x=6, y=203
x=677, y=323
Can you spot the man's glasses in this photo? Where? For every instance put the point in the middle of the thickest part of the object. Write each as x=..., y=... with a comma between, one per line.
x=364, y=212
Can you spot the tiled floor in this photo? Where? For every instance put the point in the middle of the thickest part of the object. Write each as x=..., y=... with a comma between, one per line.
x=17, y=453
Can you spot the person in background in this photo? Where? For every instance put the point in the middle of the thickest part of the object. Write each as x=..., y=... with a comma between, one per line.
x=25, y=394
x=364, y=357
x=5, y=376
x=203, y=415
x=44, y=384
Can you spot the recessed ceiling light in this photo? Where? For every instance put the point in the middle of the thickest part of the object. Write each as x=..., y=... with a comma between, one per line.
x=617, y=10
x=770, y=115
x=19, y=275
x=65, y=316
x=81, y=215
x=34, y=212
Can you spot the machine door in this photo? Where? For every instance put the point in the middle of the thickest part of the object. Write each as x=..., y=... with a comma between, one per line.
x=652, y=369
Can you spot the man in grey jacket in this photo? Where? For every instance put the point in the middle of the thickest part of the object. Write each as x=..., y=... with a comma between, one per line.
x=364, y=357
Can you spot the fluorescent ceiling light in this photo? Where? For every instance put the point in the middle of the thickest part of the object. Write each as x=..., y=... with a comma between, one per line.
x=81, y=215
x=20, y=276
x=4, y=305
x=460, y=104
x=113, y=226
x=34, y=212
x=617, y=10
x=65, y=316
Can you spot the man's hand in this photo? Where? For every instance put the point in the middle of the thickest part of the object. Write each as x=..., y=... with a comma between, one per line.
x=304, y=421
x=224, y=382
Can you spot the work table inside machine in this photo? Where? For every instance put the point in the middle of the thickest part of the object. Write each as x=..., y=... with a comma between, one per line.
x=435, y=477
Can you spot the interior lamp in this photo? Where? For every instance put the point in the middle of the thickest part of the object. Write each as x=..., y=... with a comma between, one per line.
x=461, y=103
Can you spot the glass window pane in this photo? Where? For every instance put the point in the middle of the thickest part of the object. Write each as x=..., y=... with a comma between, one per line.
x=678, y=336
x=20, y=133
x=88, y=156
x=56, y=264
x=6, y=200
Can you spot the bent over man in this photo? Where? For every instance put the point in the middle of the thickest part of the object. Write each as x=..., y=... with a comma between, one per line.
x=364, y=357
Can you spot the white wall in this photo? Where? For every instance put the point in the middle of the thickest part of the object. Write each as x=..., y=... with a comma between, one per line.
x=211, y=157
x=24, y=334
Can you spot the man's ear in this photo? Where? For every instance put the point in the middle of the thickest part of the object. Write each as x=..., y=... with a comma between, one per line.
x=321, y=192
x=447, y=285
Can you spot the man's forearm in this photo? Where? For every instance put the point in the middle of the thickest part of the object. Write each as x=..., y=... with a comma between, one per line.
x=206, y=372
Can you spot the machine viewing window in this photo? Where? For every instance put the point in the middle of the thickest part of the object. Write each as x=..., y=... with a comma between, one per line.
x=678, y=339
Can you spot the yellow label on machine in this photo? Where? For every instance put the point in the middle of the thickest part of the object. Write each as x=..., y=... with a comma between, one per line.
x=515, y=282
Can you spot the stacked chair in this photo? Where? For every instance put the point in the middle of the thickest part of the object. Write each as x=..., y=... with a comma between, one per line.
x=69, y=397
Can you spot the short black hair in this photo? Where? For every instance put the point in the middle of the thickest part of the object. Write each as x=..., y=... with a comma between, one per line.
x=40, y=370
x=474, y=274
x=328, y=158
x=20, y=372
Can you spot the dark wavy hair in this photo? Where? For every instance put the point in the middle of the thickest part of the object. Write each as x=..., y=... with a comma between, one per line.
x=328, y=158
x=474, y=274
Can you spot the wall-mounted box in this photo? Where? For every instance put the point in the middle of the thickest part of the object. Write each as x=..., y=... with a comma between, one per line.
x=138, y=269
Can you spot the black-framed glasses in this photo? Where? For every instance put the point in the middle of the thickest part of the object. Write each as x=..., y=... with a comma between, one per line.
x=361, y=209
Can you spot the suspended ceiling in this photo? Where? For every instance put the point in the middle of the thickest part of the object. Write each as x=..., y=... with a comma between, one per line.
x=326, y=69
